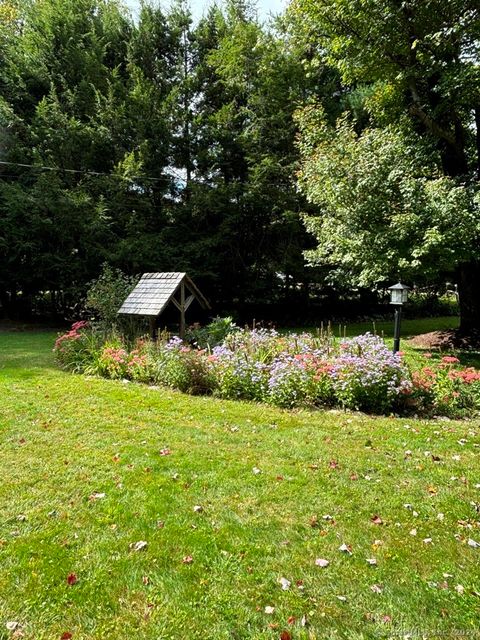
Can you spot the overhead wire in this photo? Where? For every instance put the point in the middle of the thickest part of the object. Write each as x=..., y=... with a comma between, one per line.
x=25, y=165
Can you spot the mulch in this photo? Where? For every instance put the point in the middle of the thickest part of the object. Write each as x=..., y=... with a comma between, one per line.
x=446, y=340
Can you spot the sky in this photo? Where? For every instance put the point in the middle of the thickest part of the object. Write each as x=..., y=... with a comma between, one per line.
x=265, y=7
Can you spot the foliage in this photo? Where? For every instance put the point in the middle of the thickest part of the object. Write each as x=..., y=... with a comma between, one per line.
x=289, y=371
x=431, y=304
x=449, y=390
x=106, y=294
x=385, y=209
x=76, y=349
x=168, y=144
x=411, y=84
x=212, y=334
x=369, y=376
x=177, y=366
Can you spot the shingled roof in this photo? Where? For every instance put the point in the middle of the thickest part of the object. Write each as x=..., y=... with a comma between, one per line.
x=155, y=290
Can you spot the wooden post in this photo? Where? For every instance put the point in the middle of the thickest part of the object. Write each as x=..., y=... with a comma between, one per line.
x=182, y=311
x=153, y=328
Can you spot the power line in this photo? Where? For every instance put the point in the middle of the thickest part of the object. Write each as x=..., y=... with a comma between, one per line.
x=24, y=165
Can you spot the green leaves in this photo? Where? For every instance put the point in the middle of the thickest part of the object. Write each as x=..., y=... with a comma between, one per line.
x=384, y=204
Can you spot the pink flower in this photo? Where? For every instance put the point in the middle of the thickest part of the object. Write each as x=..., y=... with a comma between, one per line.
x=427, y=355
x=450, y=359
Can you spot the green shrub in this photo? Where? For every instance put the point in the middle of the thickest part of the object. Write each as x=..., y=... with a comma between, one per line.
x=106, y=295
x=212, y=334
x=180, y=367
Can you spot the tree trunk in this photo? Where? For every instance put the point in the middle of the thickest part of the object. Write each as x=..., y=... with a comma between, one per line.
x=469, y=297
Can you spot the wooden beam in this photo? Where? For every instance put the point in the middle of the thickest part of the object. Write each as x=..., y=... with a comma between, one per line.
x=197, y=293
x=182, y=310
x=189, y=301
x=176, y=303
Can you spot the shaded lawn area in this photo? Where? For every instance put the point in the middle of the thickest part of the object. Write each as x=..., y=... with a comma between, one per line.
x=410, y=327
x=64, y=438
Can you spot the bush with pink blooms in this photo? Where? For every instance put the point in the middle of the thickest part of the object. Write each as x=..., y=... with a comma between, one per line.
x=77, y=348
x=445, y=388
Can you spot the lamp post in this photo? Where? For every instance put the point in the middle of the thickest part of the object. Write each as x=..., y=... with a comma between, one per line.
x=398, y=296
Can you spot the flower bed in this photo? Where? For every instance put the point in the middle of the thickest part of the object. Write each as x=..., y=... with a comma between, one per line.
x=285, y=370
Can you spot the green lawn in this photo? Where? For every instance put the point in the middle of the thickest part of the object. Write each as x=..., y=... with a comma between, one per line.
x=409, y=327
x=65, y=438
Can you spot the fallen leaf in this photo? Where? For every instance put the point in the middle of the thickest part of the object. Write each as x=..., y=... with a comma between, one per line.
x=321, y=562
x=146, y=580
x=304, y=621
x=473, y=543
x=12, y=625
x=413, y=532
x=72, y=579
x=376, y=588
x=460, y=589
x=256, y=471
x=139, y=546
x=432, y=490
x=285, y=584
x=285, y=635
x=165, y=452
x=333, y=464
x=291, y=619
x=345, y=548
x=314, y=521
x=187, y=560
x=198, y=508
x=342, y=598
x=376, y=520
x=66, y=635
x=96, y=496
x=269, y=609
x=386, y=619
x=428, y=541
x=372, y=561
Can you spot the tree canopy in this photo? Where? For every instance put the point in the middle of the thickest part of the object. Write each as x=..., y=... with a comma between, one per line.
x=346, y=132
x=396, y=179
x=155, y=144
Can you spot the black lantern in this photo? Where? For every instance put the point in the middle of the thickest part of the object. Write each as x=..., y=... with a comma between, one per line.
x=398, y=296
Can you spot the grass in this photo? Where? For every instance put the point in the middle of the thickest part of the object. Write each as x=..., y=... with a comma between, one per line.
x=410, y=327
x=65, y=438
